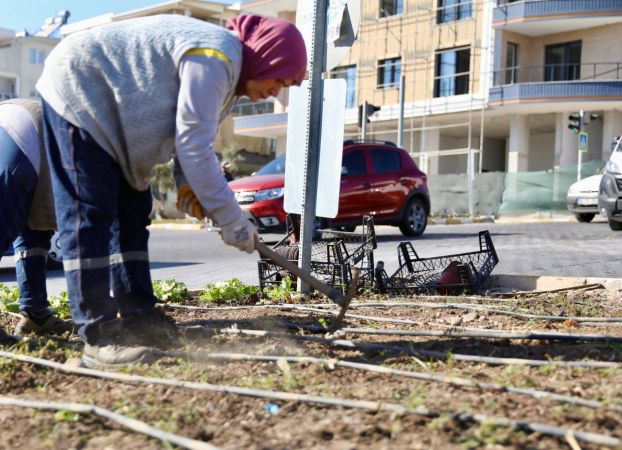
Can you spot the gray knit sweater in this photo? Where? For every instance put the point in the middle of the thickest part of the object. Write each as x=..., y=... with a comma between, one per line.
x=120, y=83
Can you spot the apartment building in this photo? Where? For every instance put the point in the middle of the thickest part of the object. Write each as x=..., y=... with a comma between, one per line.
x=487, y=85
x=21, y=62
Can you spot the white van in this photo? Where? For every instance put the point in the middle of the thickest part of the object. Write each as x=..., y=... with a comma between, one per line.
x=610, y=190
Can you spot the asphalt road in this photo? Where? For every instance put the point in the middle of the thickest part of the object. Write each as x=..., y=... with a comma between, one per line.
x=557, y=248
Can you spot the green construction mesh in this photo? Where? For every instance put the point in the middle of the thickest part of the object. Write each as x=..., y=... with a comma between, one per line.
x=541, y=191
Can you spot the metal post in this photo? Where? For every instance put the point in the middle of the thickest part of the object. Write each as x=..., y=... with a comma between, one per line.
x=400, y=119
x=315, y=95
x=364, y=122
x=579, y=161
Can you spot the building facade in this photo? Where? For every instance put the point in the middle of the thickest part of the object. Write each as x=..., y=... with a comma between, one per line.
x=487, y=85
x=21, y=62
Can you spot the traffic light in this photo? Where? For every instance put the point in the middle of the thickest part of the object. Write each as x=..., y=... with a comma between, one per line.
x=369, y=110
x=574, y=124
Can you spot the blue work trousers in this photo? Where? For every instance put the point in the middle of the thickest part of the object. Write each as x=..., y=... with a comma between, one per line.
x=18, y=180
x=102, y=223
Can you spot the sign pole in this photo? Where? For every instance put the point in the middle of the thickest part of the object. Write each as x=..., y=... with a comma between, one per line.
x=315, y=94
x=579, y=160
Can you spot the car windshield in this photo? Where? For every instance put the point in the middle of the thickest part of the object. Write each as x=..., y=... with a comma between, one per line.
x=274, y=167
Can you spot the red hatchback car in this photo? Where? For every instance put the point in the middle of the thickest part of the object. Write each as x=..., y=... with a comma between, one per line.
x=378, y=179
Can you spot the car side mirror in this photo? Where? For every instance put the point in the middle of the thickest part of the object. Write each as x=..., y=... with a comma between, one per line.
x=344, y=170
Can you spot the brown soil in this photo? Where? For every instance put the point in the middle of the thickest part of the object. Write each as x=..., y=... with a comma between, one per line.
x=232, y=421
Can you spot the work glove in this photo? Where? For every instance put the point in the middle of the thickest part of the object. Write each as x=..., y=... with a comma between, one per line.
x=188, y=203
x=241, y=234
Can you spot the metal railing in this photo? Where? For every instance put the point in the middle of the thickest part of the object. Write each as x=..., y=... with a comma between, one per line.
x=600, y=71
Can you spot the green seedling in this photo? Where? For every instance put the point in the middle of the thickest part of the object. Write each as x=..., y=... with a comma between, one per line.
x=9, y=299
x=170, y=291
x=65, y=415
x=281, y=292
x=60, y=304
x=227, y=291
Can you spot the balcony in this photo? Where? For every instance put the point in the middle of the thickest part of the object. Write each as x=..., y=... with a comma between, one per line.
x=542, y=17
x=548, y=85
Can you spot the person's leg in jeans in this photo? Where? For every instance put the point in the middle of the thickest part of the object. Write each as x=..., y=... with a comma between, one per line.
x=31, y=248
x=17, y=185
x=131, y=277
x=85, y=181
x=31, y=251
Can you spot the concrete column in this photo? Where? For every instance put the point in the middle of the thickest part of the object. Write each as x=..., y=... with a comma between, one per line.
x=612, y=127
x=430, y=142
x=518, y=149
x=566, y=142
x=280, y=143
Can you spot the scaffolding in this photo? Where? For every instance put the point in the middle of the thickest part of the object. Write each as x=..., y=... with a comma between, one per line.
x=443, y=103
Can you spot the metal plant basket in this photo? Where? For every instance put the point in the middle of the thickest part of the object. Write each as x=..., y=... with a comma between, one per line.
x=333, y=255
x=463, y=273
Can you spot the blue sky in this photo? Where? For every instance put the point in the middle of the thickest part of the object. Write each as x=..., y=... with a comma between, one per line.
x=30, y=14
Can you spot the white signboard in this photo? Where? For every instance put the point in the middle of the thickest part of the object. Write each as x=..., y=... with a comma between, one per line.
x=331, y=148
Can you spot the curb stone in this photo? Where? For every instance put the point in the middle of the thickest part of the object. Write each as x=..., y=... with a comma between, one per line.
x=547, y=282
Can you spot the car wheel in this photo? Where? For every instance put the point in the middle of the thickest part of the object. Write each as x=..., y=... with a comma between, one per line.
x=55, y=258
x=585, y=217
x=415, y=218
x=615, y=225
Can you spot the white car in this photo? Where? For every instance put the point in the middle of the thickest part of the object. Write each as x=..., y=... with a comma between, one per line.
x=582, y=198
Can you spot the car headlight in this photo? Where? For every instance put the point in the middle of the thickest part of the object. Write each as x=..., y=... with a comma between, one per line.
x=268, y=194
x=612, y=167
x=572, y=191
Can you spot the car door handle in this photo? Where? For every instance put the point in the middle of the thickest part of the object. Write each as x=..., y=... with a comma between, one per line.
x=366, y=185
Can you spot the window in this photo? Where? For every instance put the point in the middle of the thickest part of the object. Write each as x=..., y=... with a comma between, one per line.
x=452, y=72
x=386, y=161
x=36, y=56
x=389, y=71
x=246, y=107
x=452, y=10
x=354, y=162
x=562, y=62
x=391, y=8
x=348, y=73
x=511, y=63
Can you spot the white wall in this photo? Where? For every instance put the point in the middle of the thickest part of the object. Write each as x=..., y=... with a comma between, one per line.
x=541, y=151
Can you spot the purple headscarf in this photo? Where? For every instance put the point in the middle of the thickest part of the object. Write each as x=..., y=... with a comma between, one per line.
x=272, y=48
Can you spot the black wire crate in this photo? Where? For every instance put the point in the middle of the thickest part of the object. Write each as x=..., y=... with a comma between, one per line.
x=463, y=273
x=333, y=255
